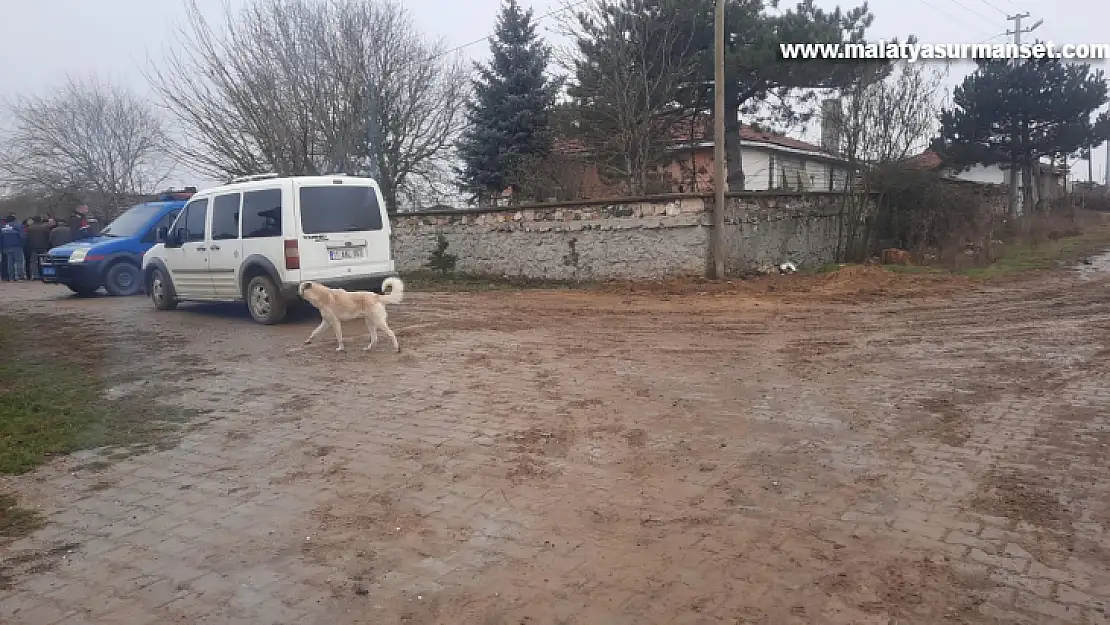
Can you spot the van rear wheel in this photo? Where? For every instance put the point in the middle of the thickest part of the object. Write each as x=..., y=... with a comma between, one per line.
x=264, y=300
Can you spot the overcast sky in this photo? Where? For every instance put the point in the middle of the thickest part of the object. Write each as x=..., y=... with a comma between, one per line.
x=46, y=39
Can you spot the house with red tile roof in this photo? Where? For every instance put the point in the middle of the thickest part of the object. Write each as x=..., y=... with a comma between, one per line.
x=1053, y=178
x=772, y=161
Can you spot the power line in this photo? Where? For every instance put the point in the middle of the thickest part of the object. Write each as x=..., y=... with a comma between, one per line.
x=999, y=35
x=490, y=36
x=993, y=6
x=936, y=8
x=573, y=5
x=969, y=9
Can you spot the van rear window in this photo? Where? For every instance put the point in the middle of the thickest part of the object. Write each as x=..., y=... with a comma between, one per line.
x=339, y=209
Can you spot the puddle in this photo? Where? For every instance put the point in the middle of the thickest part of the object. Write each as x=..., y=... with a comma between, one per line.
x=120, y=391
x=1099, y=266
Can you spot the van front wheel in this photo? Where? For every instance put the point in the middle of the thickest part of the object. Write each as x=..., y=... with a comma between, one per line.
x=123, y=280
x=264, y=301
x=161, y=291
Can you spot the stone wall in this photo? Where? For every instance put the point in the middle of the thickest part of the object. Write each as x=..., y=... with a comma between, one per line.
x=763, y=229
x=653, y=237
x=658, y=237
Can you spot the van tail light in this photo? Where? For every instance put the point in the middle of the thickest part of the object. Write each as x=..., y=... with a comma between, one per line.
x=292, y=254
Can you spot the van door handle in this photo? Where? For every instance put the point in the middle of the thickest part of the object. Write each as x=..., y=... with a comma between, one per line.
x=202, y=249
x=214, y=248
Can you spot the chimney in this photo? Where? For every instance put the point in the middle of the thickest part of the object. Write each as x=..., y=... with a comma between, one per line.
x=830, y=125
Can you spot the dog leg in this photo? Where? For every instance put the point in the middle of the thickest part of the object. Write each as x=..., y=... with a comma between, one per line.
x=320, y=328
x=373, y=334
x=338, y=328
x=391, y=335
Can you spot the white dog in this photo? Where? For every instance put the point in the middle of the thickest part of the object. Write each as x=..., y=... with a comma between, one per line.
x=337, y=306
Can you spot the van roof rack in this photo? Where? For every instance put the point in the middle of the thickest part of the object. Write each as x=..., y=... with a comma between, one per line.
x=171, y=194
x=265, y=176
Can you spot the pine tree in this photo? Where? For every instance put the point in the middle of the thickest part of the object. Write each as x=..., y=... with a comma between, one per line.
x=671, y=44
x=509, y=115
x=1015, y=115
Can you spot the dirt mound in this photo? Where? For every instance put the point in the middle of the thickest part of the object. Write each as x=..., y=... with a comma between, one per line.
x=856, y=279
x=694, y=285
x=851, y=282
x=858, y=282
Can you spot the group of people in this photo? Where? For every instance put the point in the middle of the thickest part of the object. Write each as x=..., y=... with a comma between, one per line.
x=22, y=243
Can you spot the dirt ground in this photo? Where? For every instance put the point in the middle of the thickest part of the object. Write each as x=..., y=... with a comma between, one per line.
x=859, y=448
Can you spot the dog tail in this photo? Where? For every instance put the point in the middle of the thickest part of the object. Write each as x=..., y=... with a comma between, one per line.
x=394, y=290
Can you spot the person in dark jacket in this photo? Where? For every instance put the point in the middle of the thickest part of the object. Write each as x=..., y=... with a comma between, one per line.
x=38, y=242
x=27, y=247
x=60, y=234
x=80, y=221
x=11, y=248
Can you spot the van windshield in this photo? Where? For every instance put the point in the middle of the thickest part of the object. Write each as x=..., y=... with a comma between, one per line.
x=133, y=222
x=339, y=209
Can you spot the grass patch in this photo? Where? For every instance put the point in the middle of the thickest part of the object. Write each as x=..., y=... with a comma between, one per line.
x=16, y=521
x=915, y=269
x=53, y=403
x=819, y=270
x=1022, y=256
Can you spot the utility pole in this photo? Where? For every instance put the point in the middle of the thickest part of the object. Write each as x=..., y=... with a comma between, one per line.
x=1106, y=181
x=717, y=234
x=1016, y=136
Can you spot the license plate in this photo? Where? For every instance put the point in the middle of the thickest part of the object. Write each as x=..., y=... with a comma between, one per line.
x=347, y=253
x=47, y=271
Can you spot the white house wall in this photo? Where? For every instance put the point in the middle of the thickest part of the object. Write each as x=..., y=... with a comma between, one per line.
x=757, y=164
x=984, y=174
x=792, y=172
x=819, y=172
x=813, y=172
x=840, y=178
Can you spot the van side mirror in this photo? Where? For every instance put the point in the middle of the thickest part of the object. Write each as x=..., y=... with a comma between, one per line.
x=162, y=234
x=172, y=239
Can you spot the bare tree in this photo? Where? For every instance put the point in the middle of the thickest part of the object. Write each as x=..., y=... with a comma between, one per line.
x=88, y=137
x=308, y=87
x=889, y=115
x=632, y=63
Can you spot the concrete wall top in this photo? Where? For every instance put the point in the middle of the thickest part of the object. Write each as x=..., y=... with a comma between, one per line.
x=687, y=198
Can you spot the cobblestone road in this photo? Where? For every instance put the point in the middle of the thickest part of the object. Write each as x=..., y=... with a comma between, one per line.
x=837, y=455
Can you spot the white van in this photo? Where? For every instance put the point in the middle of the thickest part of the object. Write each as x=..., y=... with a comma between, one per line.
x=256, y=239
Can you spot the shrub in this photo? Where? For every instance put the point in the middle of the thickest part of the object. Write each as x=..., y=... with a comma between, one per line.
x=440, y=260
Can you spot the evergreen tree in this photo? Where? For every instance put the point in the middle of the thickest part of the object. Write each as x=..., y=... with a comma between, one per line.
x=1015, y=115
x=509, y=115
x=636, y=85
x=758, y=78
x=756, y=75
